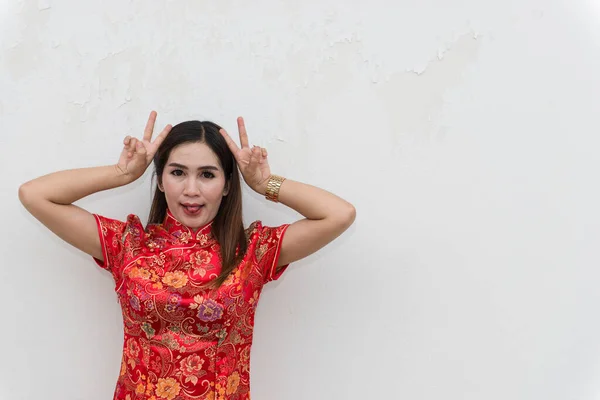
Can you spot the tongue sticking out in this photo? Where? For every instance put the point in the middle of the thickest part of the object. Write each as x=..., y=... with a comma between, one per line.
x=192, y=209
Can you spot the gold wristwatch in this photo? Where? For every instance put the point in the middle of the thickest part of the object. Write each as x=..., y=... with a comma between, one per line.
x=273, y=186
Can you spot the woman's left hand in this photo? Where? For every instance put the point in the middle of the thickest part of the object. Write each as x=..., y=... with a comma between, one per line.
x=252, y=162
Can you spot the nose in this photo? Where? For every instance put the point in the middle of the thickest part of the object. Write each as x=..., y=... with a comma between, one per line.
x=191, y=188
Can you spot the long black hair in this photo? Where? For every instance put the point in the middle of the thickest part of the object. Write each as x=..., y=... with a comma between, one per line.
x=228, y=226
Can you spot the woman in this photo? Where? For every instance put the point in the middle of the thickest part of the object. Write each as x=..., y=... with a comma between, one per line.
x=189, y=281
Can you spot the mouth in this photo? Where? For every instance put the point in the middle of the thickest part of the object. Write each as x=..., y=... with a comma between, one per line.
x=192, y=208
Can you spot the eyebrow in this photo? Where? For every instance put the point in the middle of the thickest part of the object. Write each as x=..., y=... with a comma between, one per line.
x=204, y=167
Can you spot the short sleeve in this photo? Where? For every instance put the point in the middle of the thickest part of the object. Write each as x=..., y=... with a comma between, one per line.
x=111, y=232
x=268, y=249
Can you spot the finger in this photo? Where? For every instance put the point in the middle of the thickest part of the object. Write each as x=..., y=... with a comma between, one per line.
x=150, y=126
x=131, y=148
x=243, y=133
x=163, y=134
x=254, y=158
x=126, y=140
x=140, y=150
x=230, y=143
x=260, y=154
x=264, y=152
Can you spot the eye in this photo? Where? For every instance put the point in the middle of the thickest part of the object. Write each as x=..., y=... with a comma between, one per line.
x=177, y=172
x=208, y=175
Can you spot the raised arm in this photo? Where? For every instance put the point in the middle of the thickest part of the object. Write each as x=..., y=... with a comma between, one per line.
x=326, y=215
x=49, y=198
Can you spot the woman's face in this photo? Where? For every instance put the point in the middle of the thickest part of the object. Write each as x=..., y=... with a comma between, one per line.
x=194, y=184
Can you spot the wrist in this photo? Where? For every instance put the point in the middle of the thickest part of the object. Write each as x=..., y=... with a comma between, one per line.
x=272, y=187
x=123, y=177
x=261, y=188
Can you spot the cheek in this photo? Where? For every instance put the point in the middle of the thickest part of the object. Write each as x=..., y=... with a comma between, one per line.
x=214, y=190
x=170, y=186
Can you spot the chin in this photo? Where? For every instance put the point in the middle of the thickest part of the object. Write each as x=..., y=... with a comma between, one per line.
x=194, y=222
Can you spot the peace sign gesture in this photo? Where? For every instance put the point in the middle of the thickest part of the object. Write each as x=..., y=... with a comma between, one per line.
x=138, y=154
x=252, y=162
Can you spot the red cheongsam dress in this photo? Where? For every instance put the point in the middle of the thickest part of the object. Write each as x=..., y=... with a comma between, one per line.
x=182, y=340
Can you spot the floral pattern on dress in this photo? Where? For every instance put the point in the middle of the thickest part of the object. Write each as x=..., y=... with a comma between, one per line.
x=182, y=339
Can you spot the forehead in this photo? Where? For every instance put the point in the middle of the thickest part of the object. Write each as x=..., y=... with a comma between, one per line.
x=193, y=155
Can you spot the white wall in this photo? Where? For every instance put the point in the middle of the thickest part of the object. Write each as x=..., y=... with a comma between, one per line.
x=465, y=132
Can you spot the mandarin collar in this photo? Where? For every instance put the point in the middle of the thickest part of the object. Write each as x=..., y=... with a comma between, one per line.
x=184, y=234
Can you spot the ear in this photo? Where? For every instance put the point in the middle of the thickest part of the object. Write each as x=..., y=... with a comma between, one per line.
x=160, y=188
x=226, y=189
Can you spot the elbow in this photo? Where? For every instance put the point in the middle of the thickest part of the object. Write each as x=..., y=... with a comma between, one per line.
x=351, y=215
x=27, y=194
x=24, y=193
x=346, y=216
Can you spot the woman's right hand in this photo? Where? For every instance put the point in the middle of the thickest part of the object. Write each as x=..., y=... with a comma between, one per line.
x=138, y=154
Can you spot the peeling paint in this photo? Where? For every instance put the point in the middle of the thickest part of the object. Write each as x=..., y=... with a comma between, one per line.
x=420, y=69
x=44, y=5
x=24, y=55
x=337, y=90
x=414, y=100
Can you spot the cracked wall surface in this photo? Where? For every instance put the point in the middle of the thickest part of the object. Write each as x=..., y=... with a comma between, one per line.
x=465, y=133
